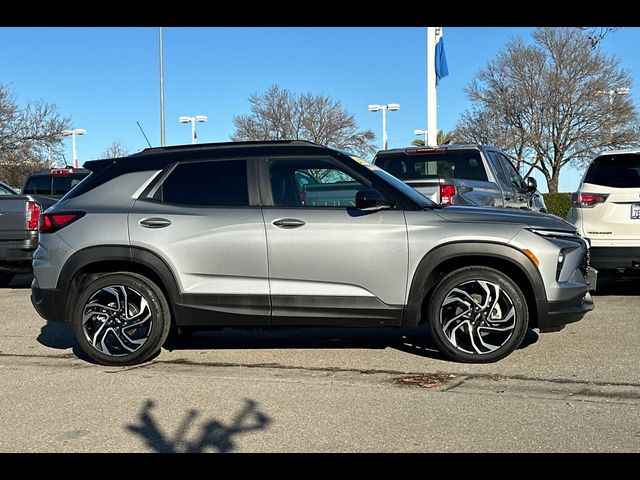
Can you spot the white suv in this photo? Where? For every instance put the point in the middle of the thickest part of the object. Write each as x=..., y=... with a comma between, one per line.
x=606, y=211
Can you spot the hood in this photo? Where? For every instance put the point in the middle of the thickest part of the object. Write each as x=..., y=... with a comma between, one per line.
x=504, y=215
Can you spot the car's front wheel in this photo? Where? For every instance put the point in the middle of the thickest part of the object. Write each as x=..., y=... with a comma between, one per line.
x=477, y=315
x=121, y=319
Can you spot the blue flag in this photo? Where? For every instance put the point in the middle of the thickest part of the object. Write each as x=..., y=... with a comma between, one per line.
x=441, y=61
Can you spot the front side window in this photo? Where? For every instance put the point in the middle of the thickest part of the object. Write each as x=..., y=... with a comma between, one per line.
x=313, y=182
x=512, y=173
x=206, y=184
x=617, y=171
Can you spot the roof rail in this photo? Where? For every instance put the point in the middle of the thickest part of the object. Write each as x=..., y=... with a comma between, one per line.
x=199, y=146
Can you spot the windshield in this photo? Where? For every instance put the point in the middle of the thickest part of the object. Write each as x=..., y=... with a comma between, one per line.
x=618, y=171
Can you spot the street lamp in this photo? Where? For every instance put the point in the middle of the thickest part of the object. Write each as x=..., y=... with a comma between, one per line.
x=73, y=133
x=612, y=92
x=384, y=108
x=422, y=132
x=193, y=120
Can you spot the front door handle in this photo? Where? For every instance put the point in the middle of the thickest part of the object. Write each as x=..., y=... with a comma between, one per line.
x=155, y=222
x=288, y=223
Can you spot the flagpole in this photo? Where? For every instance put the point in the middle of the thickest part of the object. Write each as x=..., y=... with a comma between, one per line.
x=162, y=138
x=432, y=106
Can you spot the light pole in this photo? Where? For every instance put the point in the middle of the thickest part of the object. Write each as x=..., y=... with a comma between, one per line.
x=384, y=108
x=193, y=120
x=612, y=92
x=422, y=132
x=73, y=133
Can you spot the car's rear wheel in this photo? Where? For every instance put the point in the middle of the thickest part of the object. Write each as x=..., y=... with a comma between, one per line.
x=477, y=315
x=5, y=279
x=121, y=319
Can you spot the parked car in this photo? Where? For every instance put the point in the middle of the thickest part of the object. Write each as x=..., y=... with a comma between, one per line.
x=606, y=211
x=221, y=235
x=18, y=233
x=19, y=216
x=478, y=175
x=6, y=190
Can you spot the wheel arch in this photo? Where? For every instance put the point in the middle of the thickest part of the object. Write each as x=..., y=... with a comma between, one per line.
x=111, y=259
x=452, y=256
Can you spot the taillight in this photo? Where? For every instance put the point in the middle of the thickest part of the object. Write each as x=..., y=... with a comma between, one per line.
x=32, y=215
x=587, y=200
x=52, y=222
x=446, y=194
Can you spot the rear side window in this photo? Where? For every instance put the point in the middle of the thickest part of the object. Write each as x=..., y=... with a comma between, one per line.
x=38, y=185
x=210, y=184
x=464, y=164
x=618, y=171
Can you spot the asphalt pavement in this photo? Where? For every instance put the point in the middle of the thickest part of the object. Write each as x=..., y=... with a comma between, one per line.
x=324, y=390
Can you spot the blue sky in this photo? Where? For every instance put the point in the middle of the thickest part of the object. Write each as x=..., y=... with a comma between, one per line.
x=106, y=79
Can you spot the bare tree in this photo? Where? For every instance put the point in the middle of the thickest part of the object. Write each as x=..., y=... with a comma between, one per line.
x=597, y=34
x=279, y=114
x=115, y=150
x=29, y=137
x=551, y=103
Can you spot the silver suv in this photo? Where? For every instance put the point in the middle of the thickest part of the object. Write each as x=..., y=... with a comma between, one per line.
x=291, y=233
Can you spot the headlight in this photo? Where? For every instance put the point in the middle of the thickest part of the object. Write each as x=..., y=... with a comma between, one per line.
x=554, y=233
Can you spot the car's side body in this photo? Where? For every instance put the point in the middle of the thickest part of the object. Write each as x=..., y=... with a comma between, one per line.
x=233, y=237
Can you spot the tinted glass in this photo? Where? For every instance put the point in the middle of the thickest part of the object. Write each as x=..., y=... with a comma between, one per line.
x=312, y=182
x=464, y=164
x=618, y=171
x=212, y=184
x=62, y=184
x=514, y=177
x=38, y=185
x=497, y=168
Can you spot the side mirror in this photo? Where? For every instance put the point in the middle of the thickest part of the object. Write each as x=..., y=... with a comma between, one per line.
x=372, y=199
x=532, y=185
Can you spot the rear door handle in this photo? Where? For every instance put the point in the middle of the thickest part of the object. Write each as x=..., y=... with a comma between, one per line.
x=288, y=223
x=155, y=222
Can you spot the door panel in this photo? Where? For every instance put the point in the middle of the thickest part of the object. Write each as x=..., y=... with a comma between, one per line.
x=200, y=222
x=340, y=267
x=329, y=262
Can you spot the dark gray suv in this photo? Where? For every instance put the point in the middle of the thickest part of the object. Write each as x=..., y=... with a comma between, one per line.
x=293, y=234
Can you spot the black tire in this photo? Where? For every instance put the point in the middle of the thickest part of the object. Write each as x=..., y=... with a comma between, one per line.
x=146, y=333
x=476, y=325
x=5, y=279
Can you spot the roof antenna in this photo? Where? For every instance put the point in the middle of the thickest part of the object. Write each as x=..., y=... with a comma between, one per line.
x=145, y=137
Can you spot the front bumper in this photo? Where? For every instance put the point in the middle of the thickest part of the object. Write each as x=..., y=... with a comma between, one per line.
x=49, y=303
x=555, y=315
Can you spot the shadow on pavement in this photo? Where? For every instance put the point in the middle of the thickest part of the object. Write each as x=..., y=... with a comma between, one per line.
x=415, y=341
x=213, y=435
x=20, y=281
x=626, y=286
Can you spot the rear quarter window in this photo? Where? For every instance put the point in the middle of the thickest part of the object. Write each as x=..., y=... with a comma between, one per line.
x=617, y=171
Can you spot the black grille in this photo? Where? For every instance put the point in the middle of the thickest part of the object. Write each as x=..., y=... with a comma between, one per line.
x=584, y=264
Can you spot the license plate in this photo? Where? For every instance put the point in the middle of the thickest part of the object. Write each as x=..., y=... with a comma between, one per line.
x=635, y=211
